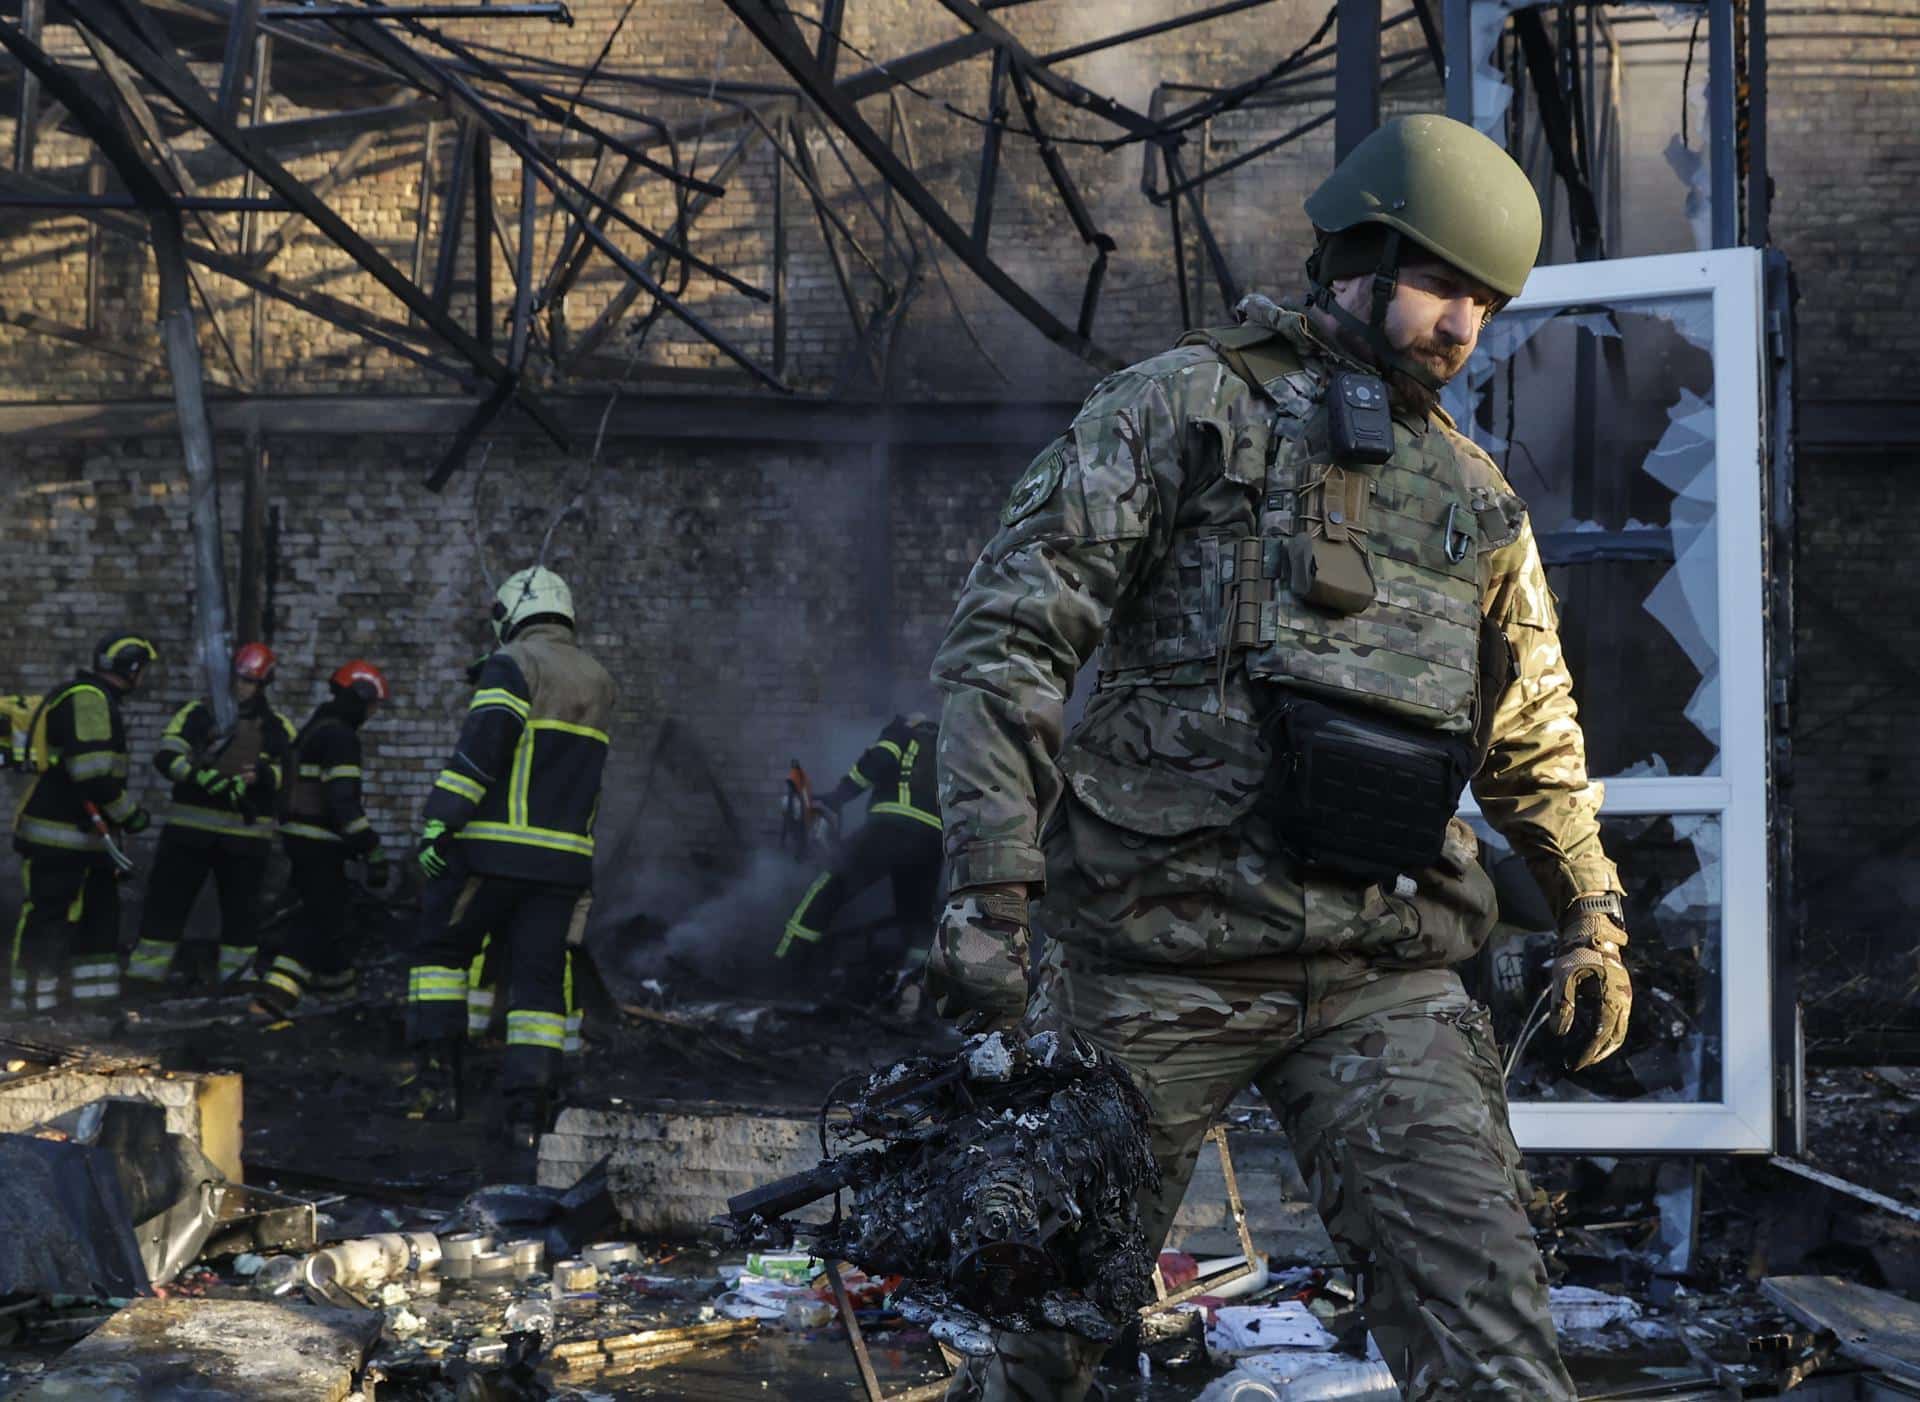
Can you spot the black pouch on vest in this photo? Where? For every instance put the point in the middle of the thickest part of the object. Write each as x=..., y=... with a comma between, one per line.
x=1360, y=795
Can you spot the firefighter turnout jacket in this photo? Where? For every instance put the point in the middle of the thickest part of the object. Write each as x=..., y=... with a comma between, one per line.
x=323, y=800
x=523, y=787
x=256, y=751
x=86, y=758
x=900, y=772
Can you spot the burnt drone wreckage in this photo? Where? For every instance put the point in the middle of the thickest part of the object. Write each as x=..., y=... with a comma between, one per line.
x=1001, y=1180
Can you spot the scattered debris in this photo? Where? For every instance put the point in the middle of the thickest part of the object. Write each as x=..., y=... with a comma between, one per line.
x=1002, y=1181
x=1871, y=1326
x=211, y=1350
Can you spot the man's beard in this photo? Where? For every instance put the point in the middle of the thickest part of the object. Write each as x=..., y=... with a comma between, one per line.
x=1406, y=395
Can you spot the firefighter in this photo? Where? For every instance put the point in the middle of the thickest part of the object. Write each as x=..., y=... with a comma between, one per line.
x=69, y=930
x=900, y=839
x=220, y=824
x=323, y=827
x=514, y=809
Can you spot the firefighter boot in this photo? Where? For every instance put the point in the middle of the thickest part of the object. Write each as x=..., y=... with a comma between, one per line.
x=525, y=1115
x=433, y=1090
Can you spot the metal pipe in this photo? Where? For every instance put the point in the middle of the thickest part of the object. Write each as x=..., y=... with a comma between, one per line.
x=1457, y=27
x=1759, y=180
x=216, y=203
x=241, y=29
x=559, y=14
x=990, y=150
x=1147, y=31
x=33, y=17
x=1724, y=164
x=1356, y=81
x=483, y=240
x=196, y=443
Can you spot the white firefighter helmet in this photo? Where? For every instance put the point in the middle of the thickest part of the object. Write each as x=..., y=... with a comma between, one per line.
x=535, y=592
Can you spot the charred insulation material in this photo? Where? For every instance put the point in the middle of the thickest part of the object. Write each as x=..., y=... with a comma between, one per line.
x=1000, y=1180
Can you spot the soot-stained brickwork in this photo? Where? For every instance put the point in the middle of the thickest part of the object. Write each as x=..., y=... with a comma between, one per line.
x=773, y=602
x=719, y=588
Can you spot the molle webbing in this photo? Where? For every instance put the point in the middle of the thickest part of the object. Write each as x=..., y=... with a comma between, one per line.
x=1256, y=354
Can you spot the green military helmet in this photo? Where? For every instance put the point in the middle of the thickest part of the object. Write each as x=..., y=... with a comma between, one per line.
x=535, y=592
x=1444, y=186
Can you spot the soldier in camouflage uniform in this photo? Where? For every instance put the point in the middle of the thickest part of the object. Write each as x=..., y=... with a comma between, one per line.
x=1196, y=524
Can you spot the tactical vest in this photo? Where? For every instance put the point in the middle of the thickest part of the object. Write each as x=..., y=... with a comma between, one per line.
x=1422, y=521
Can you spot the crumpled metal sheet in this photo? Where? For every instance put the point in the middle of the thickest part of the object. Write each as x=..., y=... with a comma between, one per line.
x=65, y=1228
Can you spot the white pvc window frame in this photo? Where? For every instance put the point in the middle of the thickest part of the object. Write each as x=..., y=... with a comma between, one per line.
x=1743, y=1119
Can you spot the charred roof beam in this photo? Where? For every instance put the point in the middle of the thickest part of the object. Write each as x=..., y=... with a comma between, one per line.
x=163, y=72
x=777, y=33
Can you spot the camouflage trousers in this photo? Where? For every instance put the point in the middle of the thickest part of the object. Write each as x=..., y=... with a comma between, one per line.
x=1389, y=1087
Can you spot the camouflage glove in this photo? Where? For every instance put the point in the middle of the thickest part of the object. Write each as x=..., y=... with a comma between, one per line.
x=977, y=968
x=1591, y=934
x=431, y=855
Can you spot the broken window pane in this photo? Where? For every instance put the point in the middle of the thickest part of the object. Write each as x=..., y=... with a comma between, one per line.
x=1602, y=417
x=1672, y=869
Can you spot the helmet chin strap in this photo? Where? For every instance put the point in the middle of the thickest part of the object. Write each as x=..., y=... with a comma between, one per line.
x=1386, y=280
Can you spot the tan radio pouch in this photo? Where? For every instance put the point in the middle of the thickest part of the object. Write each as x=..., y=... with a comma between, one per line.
x=1328, y=555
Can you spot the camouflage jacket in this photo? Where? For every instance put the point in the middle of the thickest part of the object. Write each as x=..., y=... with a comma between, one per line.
x=1110, y=515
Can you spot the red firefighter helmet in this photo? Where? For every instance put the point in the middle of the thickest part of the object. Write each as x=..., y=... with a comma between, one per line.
x=361, y=676
x=255, y=663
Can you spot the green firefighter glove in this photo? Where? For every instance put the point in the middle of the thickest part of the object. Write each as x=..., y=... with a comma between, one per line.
x=213, y=783
x=1591, y=935
x=977, y=968
x=137, y=821
x=431, y=856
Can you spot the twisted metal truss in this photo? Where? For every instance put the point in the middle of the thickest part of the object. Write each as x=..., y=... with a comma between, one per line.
x=161, y=71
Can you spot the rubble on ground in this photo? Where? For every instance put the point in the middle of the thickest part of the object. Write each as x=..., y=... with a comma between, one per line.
x=348, y=1257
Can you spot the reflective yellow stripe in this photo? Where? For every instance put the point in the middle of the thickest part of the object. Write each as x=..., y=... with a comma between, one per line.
x=359, y=824
x=862, y=780
x=173, y=744
x=150, y=959
x=459, y=784
x=797, y=929
x=287, y=964
x=284, y=983
x=309, y=831
x=889, y=747
x=568, y=728
x=500, y=696
x=341, y=771
x=520, y=781
x=99, y=764
x=436, y=983
x=550, y=838
x=187, y=815
x=533, y=1029
x=906, y=810
x=62, y=835
x=309, y=771
x=904, y=807
x=259, y=830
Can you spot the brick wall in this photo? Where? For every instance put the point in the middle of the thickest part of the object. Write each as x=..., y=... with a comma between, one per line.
x=729, y=588
x=723, y=590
